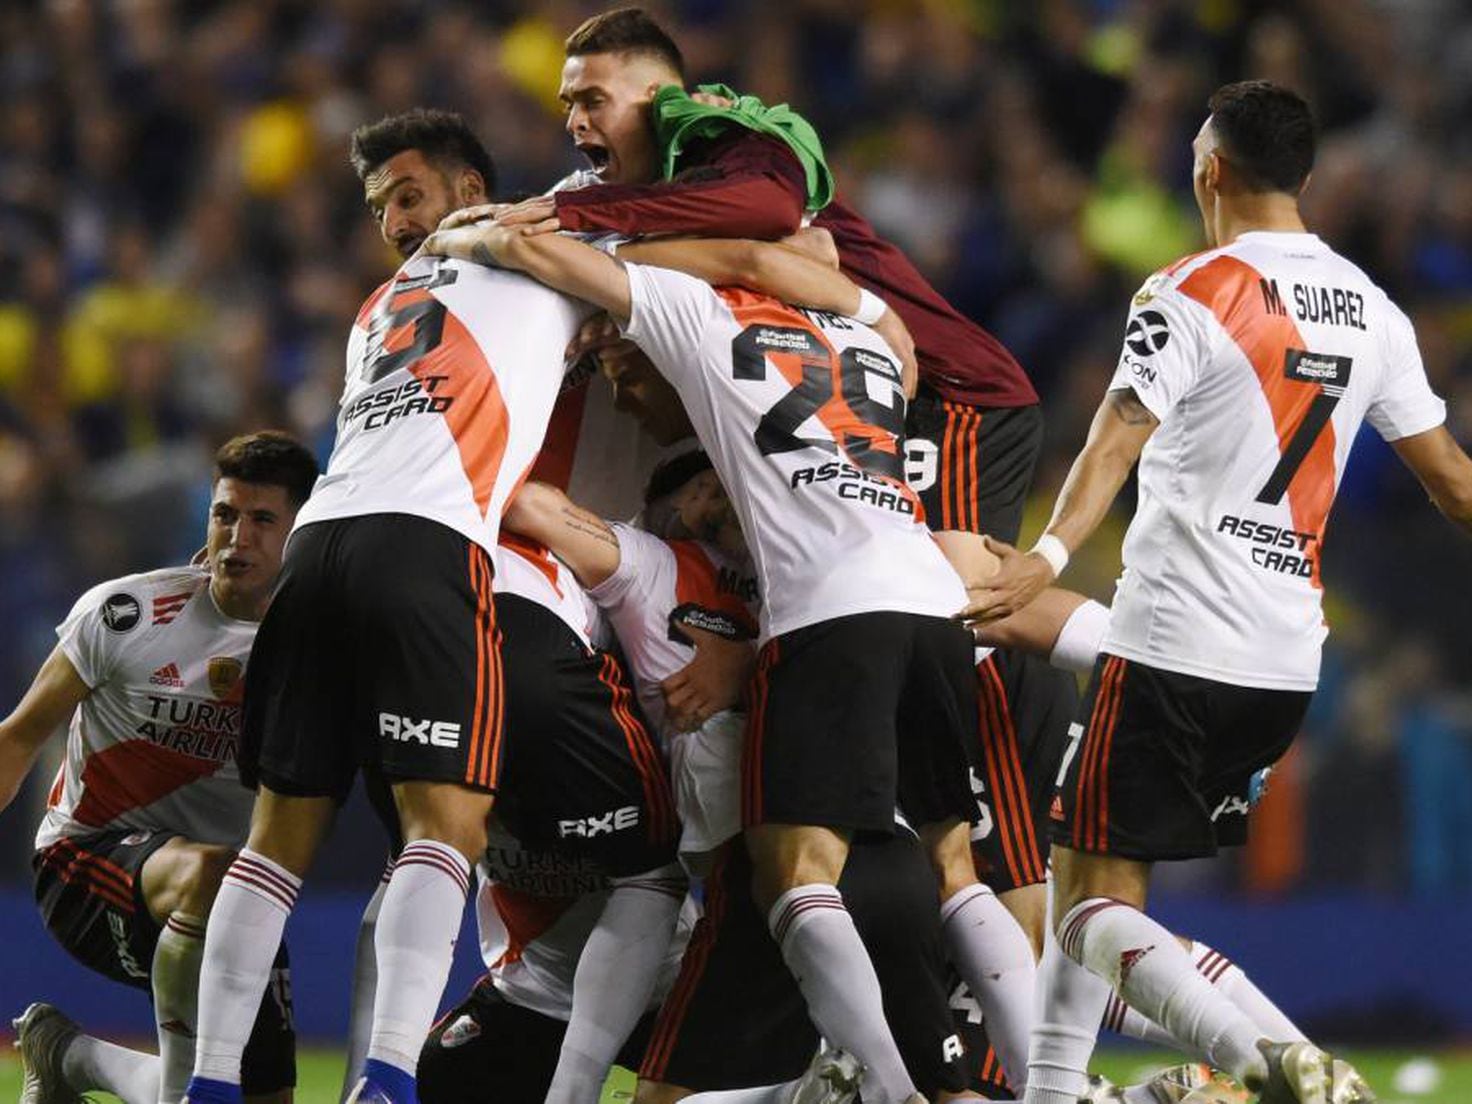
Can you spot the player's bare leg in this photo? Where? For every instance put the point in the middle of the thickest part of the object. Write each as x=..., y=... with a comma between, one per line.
x=255, y=898
x=986, y=945
x=796, y=882
x=444, y=829
x=1029, y=907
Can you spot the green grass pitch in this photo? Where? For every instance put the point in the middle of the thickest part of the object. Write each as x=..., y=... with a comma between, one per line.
x=1445, y=1076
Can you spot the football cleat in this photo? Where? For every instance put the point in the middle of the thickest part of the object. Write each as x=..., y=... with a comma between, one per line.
x=832, y=1077
x=42, y=1034
x=1298, y=1073
x=1101, y=1090
x=366, y=1092
x=1349, y=1087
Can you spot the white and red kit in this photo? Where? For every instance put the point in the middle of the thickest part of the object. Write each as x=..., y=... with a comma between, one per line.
x=152, y=746
x=1261, y=360
x=659, y=589
x=803, y=416
x=535, y=911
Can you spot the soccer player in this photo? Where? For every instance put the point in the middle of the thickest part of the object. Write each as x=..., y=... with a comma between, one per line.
x=803, y=416
x=383, y=647
x=973, y=430
x=1245, y=374
x=147, y=810
x=736, y=1025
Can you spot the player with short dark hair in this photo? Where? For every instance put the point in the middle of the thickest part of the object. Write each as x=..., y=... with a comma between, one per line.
x=625, y=31
x=441, y=138
x=1245, y=374
x=147, y=810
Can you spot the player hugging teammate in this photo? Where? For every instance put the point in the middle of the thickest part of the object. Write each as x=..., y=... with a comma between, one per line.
x=770, y=685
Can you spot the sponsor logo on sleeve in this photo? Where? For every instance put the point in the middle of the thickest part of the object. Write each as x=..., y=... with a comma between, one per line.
x=121, y=612
x=1147, y=333
x=1325, y=368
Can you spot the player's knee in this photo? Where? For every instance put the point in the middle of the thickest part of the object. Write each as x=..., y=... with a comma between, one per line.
x=657, y=1092
x=447, y=813
x=949, y=846
x=784, y=856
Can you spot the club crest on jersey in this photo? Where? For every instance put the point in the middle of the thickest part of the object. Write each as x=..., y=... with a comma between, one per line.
x=121, y=612
x=1147, y=333
x=1151, y=288
x=224, y=675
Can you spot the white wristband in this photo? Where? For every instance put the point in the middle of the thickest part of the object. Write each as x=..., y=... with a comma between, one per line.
x=871, y=307
x=1054, y=551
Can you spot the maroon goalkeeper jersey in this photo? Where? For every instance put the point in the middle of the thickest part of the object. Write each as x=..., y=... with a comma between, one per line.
x=747, y=185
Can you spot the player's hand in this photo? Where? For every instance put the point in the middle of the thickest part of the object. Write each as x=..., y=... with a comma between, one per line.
x=892, y=328
x=537, y=215
x=1021, y=577
x=480, y=212
x=814, y=242
x=710, y=99
x=597, y=333
x=710, y=682
x=478, y=242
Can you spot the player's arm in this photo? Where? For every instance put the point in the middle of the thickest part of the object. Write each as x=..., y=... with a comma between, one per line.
x=578, y=538
x=752, y=187
x=54, y=694
x=1443, y=468
x=1121, y=426
x=558, y=261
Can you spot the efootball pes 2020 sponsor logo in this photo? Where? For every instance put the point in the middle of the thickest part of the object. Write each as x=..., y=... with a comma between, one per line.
x=856, y=485
x=415, y=396
x=600, y=824
x=406, y=730
x=1274, y=548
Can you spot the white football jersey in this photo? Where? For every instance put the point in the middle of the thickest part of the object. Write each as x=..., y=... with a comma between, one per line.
x=660, y=588
x=803, y=416
x=1261, y=360
x=452, y=372
x=153, y=746
x=534, y=912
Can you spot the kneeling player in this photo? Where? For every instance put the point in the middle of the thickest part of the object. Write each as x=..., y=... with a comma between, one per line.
x=147, y=811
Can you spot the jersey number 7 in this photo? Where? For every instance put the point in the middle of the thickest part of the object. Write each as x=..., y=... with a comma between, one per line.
x=1315, y=418
x=870, y=432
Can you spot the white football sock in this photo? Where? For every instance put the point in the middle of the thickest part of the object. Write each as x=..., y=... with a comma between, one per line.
x=241, y=940
x=365, y=984
x=175, y=976
x=994, y=957
x=1218, y=969
x=415, y=943
x=89, y=1064
x=1153, y=972
x=823, y=950
x=1070, y=1002
x=615, y=979
x=1077, y=646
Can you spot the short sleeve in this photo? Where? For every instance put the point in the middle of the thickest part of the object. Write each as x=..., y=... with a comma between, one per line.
x=1404, y=405
x=668, y=318
x=1164, y=348
x=93, y=632
x=644, y=563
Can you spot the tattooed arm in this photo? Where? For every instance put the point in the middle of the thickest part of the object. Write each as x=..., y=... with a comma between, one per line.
x=1120, y=429
x=575, y=536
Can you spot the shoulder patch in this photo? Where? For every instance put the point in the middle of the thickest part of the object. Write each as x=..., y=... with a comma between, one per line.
x=1151, y=288
x=121, y=612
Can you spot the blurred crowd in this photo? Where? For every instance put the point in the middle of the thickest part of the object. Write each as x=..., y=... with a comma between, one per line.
x=183, y=247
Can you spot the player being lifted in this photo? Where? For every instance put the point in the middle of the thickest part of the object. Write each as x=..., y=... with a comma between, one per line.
x=1246, y=372
x=148, y=808
x=851, y=580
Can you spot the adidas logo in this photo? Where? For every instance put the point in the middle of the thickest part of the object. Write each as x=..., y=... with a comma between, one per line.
x=1130, y=959
x=167, y=675
x=1055, y=811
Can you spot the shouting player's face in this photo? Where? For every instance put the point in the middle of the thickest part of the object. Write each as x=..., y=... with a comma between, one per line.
x=408, y=195
x=247, y=531
x=607, y=98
